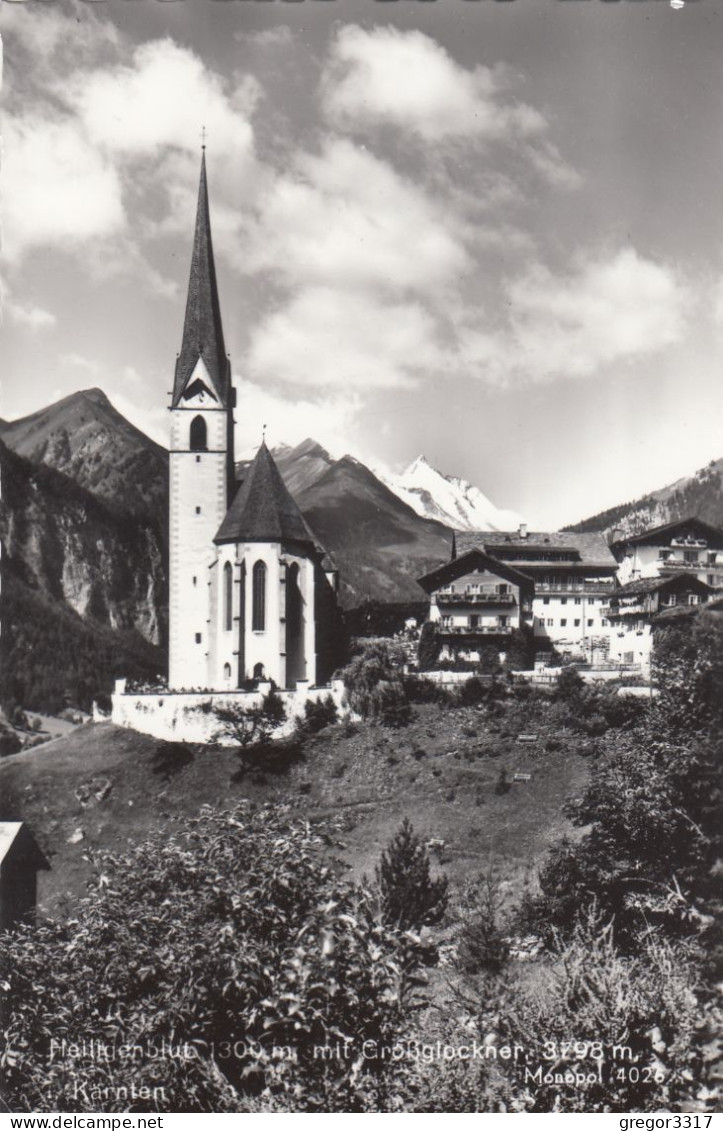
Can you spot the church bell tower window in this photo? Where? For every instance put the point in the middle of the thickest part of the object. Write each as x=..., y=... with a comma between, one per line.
x=198, y=437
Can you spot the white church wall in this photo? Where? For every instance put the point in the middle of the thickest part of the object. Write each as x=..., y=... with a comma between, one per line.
x=189, y=716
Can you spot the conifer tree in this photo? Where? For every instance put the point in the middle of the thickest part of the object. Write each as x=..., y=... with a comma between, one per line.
x=410, y=898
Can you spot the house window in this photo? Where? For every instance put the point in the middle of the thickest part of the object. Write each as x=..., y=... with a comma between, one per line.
x=227, y=671
x=711, y=579
x=473, y=621
x=198, y=510
x=604, y=622
x=258, y=614
x=590, y=624
x=550, y=622
x=546, y=600
x=195, y=580
x=690, y=555
x=198, y=439
x=711, y=557
x=503, y=589
x=228, y=597
x=563, y=600
x=563, y=622
x=591, y=601
x=198, y=459
x=503, y=621
x=446, y=622
x=693, y=599
x=577, y=623
x=198, y=637
x=578, y=600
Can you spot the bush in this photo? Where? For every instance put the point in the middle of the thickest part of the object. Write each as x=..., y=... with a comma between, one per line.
x=247, y=726
x=428, y=649
x=588, y=999
x=320, y=713
x=234, y=933
x=409, y=897
x=472, y=692
x=489, y=660
x=374, y=686
x=569, y=685
x=481, y=944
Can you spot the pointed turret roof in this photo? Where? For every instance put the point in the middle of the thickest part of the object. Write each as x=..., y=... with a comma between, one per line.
x=202, y=329
x=263, y=510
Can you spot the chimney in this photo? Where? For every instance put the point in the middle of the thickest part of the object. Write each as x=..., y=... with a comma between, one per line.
x=523, y=530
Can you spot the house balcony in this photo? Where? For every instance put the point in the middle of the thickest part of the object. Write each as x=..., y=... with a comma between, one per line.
x=676, y=564
x=476, y=599
x=625, y=610
x=593, y=588
x=480, y=630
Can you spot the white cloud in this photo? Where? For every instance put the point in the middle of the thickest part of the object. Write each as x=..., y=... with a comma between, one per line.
x=606, y=312
x=57, y=189
x=161, y=99
x=407, y=79
x=353, y=341
x=329, y=420
x=27, y=314
x=345, y=217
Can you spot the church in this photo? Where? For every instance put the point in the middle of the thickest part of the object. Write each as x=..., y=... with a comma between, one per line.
x=252, y=594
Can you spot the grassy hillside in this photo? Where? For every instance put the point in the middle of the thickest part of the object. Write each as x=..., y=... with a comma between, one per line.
x=115, y=786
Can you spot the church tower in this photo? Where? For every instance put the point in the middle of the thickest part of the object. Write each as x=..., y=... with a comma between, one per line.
x=201, y=461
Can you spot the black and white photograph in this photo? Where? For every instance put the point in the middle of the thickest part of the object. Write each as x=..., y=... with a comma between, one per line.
x=361, y=559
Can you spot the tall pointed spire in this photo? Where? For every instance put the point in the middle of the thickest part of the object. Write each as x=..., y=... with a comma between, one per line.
x=202, y=329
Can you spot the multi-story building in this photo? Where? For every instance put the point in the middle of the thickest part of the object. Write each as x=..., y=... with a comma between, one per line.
x=689, y=546
x=572, y=576
x=635, y=607
x=475, y=600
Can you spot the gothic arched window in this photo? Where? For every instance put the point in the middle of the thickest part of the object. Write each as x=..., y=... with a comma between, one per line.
x=198, y=437
x=228, y=597
x=258, y=598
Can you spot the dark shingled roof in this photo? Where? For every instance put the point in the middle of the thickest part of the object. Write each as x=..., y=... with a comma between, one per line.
x=592, y=548
x=643, y=585
x=263, y=510
x=202, y=330
x=457, y=567
x=661, y=535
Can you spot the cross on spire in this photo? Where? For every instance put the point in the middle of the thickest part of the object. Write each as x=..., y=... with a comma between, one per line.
x=203, y=138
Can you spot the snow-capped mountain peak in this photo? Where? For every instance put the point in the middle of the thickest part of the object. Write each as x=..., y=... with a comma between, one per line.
x=448, y=499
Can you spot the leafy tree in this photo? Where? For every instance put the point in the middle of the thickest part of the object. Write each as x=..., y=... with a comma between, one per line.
x=569, y=685
x=247, y=726
x=319, y=713
x=410, y=898
x=374, y=687
x=232, y=940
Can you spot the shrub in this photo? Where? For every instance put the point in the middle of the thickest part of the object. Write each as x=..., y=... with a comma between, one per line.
x=587, y=1000
x=320, y=713
x=409, y=897
x=489, y=660
x=481, y=944
x=373, y=685
x=472, y=692
x=569, y=685
x=247, y=726
x=233, y=933
x=428, y=648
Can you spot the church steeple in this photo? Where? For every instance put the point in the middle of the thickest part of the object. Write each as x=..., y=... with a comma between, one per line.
x=202, y=329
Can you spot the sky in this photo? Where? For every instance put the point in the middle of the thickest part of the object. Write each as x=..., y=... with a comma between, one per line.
x=489, y=232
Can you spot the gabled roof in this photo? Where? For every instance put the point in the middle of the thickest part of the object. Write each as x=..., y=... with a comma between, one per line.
x=662, y=535
x=263, y=510
x=587, y=549
x=645, y=585
x=16, y=839
x=473, y=559
x=202, y=329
